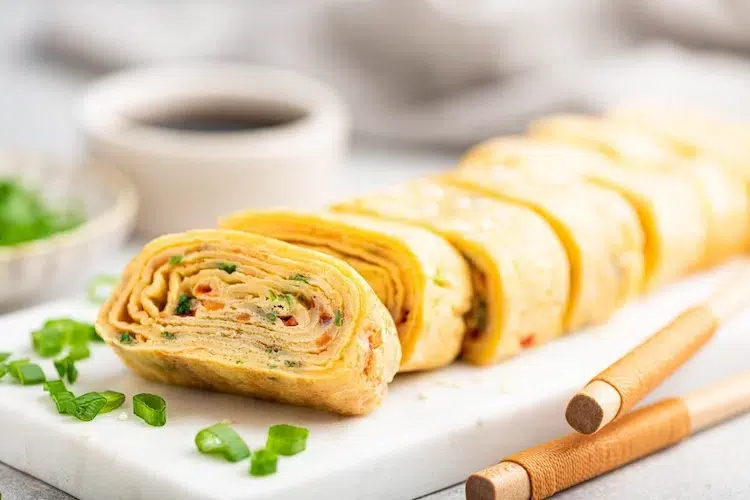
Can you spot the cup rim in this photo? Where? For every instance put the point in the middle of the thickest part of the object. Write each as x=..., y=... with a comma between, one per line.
x=107, y=107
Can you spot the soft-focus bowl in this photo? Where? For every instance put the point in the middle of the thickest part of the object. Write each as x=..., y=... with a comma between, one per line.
x=109, y=202
x=186, y=178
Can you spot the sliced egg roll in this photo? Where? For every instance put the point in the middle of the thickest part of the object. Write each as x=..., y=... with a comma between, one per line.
x=673, y=221
x=721, y=193
x=236, y=312
x=519, y=268
x=422, y=280
x=601, y=233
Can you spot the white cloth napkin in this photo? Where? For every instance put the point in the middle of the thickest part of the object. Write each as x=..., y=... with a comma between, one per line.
x=446, y=72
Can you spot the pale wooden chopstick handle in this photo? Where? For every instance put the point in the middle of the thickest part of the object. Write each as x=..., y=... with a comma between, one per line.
x=544, y=470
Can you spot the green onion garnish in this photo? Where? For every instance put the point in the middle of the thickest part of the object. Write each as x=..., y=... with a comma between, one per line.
x=168, y=336
x=151, y=408
x=66, y=368
x=271, y=316
x=88, y=406
x=48, y=343
x=79, y=352
x=64, y=399
x=339, y=318
x=227, y=267
x=439, y=279
x=223, y=440
x=284, y=439
x=4, y=356
x=175, y=259
x=300, y=277
x=3, y=369
x=27, y=373
x=126, y=338
x=184, y=305
x=99, y=282
x=114, y=401
x=263, y=462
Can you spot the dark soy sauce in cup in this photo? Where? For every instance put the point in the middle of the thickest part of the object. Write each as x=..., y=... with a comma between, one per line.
x=221, y=118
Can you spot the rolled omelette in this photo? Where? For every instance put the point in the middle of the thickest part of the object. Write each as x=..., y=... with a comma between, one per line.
x=519, y=268
x=671, y=217
x=422, y=280
x=722, y=193
x=237, y=312
x=600, y=231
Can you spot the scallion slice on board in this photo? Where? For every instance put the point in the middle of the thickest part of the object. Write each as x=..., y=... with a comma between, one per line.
x=221, y=439
x=66, y=367
x=88, y=406
x=284, y=439
x=4, y=356
x=28, y=373
x=151, y=408
x=263, y=462
x=114, y=400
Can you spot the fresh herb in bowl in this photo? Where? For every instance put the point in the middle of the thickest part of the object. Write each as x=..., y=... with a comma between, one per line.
x=25, y=216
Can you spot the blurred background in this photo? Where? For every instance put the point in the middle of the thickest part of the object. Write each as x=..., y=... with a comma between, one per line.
x=422, y=80
x=435, y=73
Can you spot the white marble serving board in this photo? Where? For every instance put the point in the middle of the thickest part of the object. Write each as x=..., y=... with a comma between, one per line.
x=432, y=431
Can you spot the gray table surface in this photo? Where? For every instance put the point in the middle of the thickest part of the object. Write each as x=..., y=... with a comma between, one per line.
x=35, y=103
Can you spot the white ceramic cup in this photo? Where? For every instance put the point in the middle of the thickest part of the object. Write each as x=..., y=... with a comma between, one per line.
x=187, y=178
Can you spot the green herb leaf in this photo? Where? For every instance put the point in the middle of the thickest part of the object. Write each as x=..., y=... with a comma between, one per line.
x=55, y=386
x=47, y=343
x=184, y=305
x=27, y=373
x=4, y=356
x=114, y=400
x=263, y=463
x=100, y=286
x=65, y=402
x=175, y=260
x=271, y=316
x=168, y=336
x=227, y=267
x=151, y=408
x=3, y=369
x=292, y=364
x=25, y=216
x=88, y=406
x=126, y=338
x=223, y=440
x=272, y=296
x=338, y=318
x=284, y=439
x=300, y=277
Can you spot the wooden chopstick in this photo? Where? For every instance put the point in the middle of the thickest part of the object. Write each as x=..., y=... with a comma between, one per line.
x=544, y=470
x=622, y=385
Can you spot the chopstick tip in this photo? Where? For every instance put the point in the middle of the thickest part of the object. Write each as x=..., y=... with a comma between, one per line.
x=504, y=481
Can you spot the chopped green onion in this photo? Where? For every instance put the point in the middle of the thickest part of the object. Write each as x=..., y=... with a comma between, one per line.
x=126, y=338
x=66, y=368
x=300, y=277
x=339, y=318
x=48, y=343
x=27, y=373
x=3, y=369
x=4, y=356
x=223, y=440
x=263, y=462
x=79, y=352
x=114, y=400
x=271, y=316
x=439, y=279
x=284, y=439
x=88, y=406
x=55, y=386
x=227, y=267
x=64, y=399
x=292, y=364
x=106, y=281
x=151, y=408
x=184, y=305
x=175, y=259
x=272, y=296
x=168, y=336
